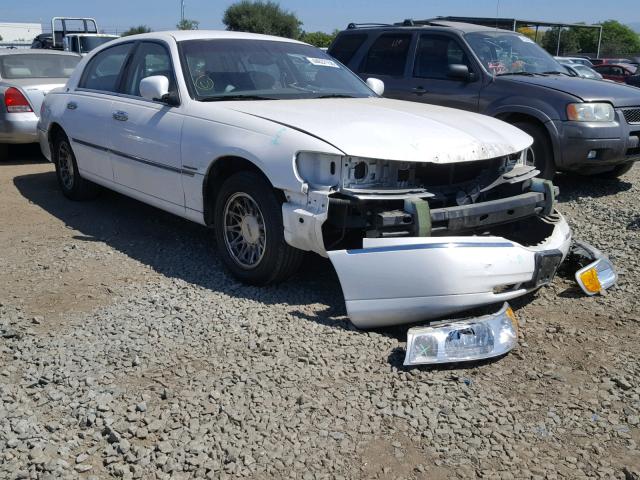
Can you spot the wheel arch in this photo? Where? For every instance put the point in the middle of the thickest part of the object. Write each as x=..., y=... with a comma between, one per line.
x=219, y=170
x=55, y=129
x=540, y=120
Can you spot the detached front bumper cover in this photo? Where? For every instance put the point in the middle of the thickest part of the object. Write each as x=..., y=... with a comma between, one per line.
x=466, y=340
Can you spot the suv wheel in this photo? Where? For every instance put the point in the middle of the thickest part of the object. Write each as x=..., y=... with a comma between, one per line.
x=540, y=154
x=249, y=231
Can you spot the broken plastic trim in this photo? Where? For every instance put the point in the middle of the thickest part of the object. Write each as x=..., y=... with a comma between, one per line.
x=466, y=340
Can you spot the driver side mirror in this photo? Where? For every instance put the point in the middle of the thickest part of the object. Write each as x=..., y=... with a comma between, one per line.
x=376, y=85
x=459, y=71
x=156, y=88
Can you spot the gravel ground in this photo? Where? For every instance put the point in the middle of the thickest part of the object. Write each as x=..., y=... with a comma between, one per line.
x=126, y=351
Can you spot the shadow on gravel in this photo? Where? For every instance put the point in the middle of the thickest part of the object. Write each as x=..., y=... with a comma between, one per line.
x=574, y=186
x=184, y=250
x=24, y=155
x=181, y=249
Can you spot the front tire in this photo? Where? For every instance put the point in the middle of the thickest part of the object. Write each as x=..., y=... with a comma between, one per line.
x=249, y=231
x=73, y=186
x=540, y=153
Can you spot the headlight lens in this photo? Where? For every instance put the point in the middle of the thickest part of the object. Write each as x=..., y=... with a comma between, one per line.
x=591, y=112
x=461, y=341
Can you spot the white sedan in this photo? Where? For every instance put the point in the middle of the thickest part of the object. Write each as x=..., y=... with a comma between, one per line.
x=423, y=210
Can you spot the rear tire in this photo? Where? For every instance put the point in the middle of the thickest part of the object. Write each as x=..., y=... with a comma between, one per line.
x=73, y=186
x=540, y=153
x=249, y=231
x=4, y=152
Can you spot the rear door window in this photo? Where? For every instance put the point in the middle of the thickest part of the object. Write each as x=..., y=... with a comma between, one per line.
x=434, y=55
x=346, y=46
x=103, y=71
x=388, y=55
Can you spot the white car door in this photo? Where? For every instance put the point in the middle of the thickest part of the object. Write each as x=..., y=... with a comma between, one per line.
x=146, y=134
x=87, y=116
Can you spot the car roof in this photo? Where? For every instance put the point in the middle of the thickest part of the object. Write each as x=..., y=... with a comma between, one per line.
x=182, y=35
x=34, y=51
x=434, y=24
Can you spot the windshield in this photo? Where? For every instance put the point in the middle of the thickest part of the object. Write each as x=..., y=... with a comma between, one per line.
x=262, y=69
x=505, y=53
x=37, y=66
x=585, y=71
x=89, y=43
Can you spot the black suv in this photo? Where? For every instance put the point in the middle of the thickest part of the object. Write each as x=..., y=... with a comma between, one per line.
x=578, y=124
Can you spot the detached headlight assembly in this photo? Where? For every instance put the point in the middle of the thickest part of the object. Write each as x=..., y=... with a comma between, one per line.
x=463, y=340
x=591, y=112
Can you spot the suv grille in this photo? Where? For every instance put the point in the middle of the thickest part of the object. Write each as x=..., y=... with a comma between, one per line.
x=632, y=115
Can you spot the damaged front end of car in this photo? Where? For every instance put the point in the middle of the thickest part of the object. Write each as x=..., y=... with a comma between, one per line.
x=415, y=241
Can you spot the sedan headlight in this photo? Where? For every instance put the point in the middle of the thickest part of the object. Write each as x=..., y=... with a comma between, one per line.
x=591, y=112
x=462, y=341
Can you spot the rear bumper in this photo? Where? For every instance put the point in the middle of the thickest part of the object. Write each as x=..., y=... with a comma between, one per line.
x=18, y=128
x=45, y=147
x=613, y=143
x=393, y=281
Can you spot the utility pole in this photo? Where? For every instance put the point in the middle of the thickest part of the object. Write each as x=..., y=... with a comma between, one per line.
x=181, y=11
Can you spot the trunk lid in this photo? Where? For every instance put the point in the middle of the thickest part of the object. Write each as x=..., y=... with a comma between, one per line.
x=36, y=89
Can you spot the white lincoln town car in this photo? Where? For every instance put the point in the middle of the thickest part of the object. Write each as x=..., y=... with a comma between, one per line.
x=423, y=210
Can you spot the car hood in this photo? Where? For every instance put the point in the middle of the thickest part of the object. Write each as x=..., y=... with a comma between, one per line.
x=392, y=129
x=587, y=90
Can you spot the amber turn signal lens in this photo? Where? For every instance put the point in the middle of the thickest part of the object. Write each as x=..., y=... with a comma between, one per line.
x=590, y=280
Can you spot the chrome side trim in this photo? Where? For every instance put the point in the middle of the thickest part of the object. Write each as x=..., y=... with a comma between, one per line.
x=135, y=158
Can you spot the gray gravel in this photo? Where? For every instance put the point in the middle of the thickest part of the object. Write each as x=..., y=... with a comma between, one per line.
x=126, y=351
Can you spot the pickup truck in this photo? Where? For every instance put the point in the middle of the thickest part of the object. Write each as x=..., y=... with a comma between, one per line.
x=78, y=35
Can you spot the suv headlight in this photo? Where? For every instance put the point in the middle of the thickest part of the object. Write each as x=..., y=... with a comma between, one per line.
x=591, y=112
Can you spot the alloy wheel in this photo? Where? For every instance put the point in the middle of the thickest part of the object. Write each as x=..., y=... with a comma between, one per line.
x=245, y=235
x=65, y=165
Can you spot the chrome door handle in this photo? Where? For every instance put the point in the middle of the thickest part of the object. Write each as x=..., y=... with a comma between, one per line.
x=120, y=116
x=419, y=90
x=72, y=105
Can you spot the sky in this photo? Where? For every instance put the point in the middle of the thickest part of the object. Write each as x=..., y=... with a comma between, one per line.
x=325, y=15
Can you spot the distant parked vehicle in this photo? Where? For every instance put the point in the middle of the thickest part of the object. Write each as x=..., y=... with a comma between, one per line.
x=26, y=76
x=578, y=125
x=79, y=35
x=578, y=60
x=621, y=73
x=578, y=69
x=612, y=61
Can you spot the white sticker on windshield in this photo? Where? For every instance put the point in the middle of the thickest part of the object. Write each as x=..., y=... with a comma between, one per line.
x=526, y=39
x=322, y=62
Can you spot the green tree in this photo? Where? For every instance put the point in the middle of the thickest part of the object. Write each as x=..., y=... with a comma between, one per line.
x=136, y=30
x=617, y=39
x=187, y=24
x=568, y=41
x=262, y=17
x=319, y=39
x=529, y=32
